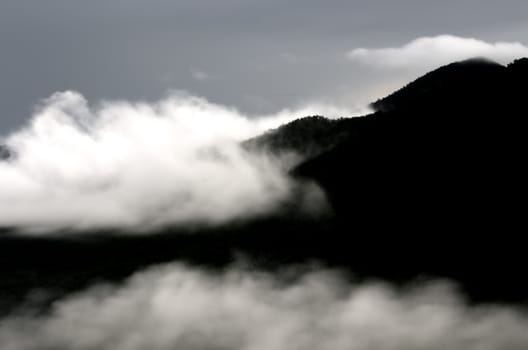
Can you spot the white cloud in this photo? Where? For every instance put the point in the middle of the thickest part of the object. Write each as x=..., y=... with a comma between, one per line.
x=138, y=165
x=200, y=75
x=430, y=52
x=175, y=307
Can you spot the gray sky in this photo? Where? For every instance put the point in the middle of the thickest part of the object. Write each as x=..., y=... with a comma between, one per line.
x=258, y=55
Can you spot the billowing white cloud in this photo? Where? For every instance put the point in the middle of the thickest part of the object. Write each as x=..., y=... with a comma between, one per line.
x=176, y=307
x=429, y=52
x=137, y=165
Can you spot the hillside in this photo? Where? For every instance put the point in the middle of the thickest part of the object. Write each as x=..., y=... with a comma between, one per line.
x=434, y=182
x=446, y=149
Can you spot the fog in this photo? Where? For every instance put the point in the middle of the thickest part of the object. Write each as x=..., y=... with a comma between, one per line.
x=179, y=307
x=141, y=165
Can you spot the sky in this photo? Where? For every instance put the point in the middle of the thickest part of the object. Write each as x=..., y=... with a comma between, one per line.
x=97, y=97
x=129, y=114
x=257, y=56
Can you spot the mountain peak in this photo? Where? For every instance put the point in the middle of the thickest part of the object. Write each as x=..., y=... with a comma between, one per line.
x=519, y=66
x=464, y=79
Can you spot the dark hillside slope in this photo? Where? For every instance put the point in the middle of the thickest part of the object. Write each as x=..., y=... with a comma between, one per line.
x=435, y=180
x=307, y=137
x=457, y=84
x=444, y=143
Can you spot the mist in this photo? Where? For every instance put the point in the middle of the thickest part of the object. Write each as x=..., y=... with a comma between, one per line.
x=429, y=52
x=178, y=307
x=141, y=165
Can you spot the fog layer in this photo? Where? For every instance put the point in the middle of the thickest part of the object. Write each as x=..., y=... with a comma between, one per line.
x=176, y=307
x=119, y=164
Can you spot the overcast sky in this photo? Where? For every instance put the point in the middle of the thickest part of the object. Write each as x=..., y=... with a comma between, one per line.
x=258, y=55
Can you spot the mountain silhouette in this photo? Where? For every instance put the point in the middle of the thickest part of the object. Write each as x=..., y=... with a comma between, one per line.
x=455, y=84
x=447, y=147
x=307, y=137
x=434, y=179
x=432, y=183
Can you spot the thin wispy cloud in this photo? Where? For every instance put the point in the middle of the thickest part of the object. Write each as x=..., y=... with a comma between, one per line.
x=200, y=75
x=431, y=52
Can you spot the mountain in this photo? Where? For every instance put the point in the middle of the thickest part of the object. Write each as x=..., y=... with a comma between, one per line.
x=432, y=184
x=433, y=181
x=443, y=153
x=457, y=84
x=307, y=137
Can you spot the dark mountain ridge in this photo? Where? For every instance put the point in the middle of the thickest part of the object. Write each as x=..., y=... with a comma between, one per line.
x=454, y=138
x=434, y=180
x=457, y=82
x=431, y=184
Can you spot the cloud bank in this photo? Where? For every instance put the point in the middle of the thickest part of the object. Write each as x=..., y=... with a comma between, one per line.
x=430, y=52
x=139, y=165
x=176, y=307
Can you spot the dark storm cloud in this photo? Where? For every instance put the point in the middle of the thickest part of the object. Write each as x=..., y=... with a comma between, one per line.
x=263, y=55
